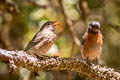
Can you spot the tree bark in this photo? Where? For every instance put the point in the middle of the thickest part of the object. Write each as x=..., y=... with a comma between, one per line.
x=22, y=59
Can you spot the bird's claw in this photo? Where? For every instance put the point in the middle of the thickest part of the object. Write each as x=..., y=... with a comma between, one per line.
x=88, y=60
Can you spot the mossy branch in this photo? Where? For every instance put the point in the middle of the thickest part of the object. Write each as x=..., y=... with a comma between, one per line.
x=21, y=59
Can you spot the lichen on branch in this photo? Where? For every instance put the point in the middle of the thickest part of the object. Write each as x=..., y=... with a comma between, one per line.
x=22, y=59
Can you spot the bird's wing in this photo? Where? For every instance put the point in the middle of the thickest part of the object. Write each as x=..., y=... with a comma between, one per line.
x=30, y=45
x=36, y=39
x=83, y=39
x=100, y=41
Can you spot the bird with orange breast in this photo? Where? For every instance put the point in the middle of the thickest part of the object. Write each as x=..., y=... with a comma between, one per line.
x=92, y=42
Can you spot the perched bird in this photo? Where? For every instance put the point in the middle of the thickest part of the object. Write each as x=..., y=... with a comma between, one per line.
x=92, y=42
x=43, y=39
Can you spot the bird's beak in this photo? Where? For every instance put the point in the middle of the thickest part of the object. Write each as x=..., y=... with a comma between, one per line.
x=55, y=23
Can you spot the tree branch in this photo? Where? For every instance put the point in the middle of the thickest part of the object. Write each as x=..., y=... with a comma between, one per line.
x=9, y=6
x=21, y=59
x=69, y=25
x=36, y=4
x=83, y=9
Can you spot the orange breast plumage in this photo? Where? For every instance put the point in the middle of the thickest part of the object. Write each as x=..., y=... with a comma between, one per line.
x=91, y=48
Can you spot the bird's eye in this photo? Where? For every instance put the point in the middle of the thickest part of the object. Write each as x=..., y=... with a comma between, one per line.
x=48, y=24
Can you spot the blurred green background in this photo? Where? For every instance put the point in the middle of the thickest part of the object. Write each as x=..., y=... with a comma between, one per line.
x=21, y=19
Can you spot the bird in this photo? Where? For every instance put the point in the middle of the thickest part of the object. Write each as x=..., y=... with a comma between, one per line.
x=43, y=39
x=92, y=42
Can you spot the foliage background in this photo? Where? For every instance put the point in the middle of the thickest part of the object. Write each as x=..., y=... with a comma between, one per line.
x=21, y=19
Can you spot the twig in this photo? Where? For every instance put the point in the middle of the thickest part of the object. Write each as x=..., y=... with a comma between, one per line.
x=68, y=76
x=9, y=6
x=69, y=24
x=83, y=9
x=106, y=21
x=36, y=4
x=72, y=49
x=22, y=59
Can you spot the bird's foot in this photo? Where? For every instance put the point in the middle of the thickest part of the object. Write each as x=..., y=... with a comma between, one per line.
x=49, y=56
x=55, y=56
x=44, y=56
x=88, y=60
x=39, y=57
x=95, y=61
